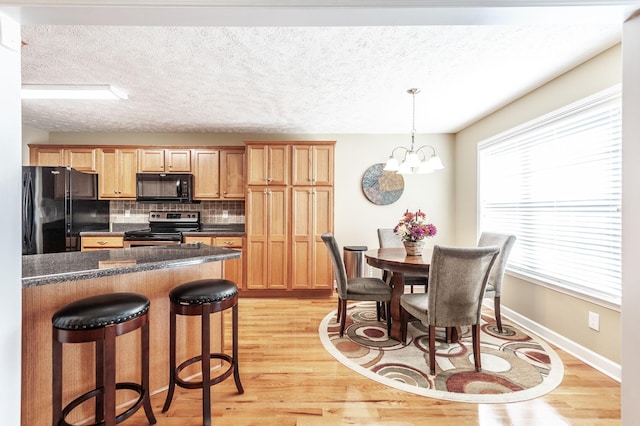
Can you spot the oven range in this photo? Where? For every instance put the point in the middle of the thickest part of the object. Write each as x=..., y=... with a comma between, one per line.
x=164, y=228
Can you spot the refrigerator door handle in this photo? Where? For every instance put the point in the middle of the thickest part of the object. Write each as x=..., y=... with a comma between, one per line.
x=27, y=213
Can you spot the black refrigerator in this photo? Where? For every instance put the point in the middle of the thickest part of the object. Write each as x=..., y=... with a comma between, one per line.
x=57, y=204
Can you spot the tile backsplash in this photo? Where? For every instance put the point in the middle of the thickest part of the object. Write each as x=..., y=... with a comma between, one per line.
x=210, y=211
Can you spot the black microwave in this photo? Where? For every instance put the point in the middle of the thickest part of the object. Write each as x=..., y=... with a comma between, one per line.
x=164, y=187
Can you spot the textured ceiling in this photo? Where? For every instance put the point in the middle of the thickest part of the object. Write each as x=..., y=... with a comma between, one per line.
x=295, y=79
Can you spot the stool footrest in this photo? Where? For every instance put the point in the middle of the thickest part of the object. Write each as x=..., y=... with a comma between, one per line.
x=98, y=391
x=214, y=380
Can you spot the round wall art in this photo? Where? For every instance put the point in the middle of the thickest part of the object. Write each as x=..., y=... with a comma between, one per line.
x=382, y=187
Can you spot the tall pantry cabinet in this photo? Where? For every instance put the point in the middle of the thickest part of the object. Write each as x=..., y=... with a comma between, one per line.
x=289, y=205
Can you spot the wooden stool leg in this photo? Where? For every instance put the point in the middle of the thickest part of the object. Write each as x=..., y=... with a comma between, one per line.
x=57, y=381
x=144, y=343
x=236, y=372
x=172, y=360
x=109, y=376
x=206, y=364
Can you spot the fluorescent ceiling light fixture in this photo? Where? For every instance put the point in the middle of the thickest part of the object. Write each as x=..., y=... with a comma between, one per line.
x=71, y=91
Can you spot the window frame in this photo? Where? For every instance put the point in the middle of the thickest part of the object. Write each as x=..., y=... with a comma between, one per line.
x=611, y=95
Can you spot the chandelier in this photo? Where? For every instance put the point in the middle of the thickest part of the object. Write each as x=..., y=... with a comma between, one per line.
x=415, y=161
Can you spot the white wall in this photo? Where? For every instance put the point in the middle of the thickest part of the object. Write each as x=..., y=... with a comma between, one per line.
x=544, y=307
x=10, y=178
x=630, y=222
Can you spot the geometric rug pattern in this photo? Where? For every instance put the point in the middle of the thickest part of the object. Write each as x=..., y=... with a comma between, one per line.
x=516, y=366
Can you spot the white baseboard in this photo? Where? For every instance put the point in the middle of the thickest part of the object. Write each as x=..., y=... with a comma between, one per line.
x=585, y=355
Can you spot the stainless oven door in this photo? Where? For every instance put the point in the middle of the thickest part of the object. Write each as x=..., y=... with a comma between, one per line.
x=128, y=244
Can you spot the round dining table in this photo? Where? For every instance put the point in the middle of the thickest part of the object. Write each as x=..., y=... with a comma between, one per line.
x=399, y=263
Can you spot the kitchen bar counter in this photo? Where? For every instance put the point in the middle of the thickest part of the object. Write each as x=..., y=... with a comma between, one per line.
x=51, y=281
x=71, y=266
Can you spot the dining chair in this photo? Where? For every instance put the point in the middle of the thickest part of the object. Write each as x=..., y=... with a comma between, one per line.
x=457, y=281
x=359, y=288
x=494, y=286
x=389, y=239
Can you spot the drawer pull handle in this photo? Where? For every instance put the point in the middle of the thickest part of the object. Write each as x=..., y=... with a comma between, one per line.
x=103, y=242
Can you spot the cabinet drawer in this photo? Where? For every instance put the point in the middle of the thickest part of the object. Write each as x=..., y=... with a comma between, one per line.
x=199, y=239
x=228, y=242
x=100, y=242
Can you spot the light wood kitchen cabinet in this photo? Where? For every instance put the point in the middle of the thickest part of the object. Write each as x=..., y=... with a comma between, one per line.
x=101, y=242
x=267, y=226
x=164, y=160
x=206, y=174
x=267, y=164
x=117, y=173
x=312, y=164
x=83, y=159
x=233, y=270
x=46, y=156
x=232, y=174
x=311, y=216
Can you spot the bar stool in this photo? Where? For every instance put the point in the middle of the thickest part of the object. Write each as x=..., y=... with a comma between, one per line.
x=203, y=297
x=100, y=319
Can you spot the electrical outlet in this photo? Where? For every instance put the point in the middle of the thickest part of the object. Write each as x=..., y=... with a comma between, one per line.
x=225, y=214
x=594, y=321
x=127, y=213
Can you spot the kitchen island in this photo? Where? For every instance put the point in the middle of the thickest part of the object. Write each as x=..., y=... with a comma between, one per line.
x=50, y=281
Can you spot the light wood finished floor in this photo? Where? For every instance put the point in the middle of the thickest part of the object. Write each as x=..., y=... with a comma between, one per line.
x=289, y=379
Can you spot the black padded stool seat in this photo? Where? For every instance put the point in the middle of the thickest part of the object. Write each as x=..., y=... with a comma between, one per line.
x=100, y=319
x=202, y=298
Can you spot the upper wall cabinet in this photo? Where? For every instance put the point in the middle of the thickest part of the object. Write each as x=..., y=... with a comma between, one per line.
x=206, y=174
x=232, y=173
x=267, y=164
x=312, y=165
x=218, y=174
x=79, y=158
x=117, y=176
x=164, y=160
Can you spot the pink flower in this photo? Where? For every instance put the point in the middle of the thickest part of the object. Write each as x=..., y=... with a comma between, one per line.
x=414, y=227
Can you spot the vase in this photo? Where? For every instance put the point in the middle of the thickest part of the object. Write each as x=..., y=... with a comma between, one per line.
x=414, y=248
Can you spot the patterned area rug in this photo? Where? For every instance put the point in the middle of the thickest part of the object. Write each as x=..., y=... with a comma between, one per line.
x=515, y=365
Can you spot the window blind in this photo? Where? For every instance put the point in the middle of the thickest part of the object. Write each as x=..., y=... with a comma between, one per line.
x=555, y=183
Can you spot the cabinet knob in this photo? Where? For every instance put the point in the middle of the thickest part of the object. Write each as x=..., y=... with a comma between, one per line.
x=269, y=179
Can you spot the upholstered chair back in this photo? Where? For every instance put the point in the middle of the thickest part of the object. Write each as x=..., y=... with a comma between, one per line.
x=457, y=280
x=389, y=239
x=505, y=242
x=338, y=264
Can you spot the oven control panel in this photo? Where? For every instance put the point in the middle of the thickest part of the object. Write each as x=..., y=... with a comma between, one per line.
x=174, y=217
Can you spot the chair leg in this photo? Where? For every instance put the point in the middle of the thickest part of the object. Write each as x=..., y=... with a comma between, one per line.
x=388, y=314
x=475, y=338
x=339, y=314
x=404, y=319
x=57, y=381
x=109, y=376
x=343, y=316
x=236, y=371
x=496, y=310
x=144, y=343
x=206, y=366
x=172, y=361
x=432, y=350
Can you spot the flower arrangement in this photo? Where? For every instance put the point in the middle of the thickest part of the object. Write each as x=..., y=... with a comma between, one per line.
x=414, y=227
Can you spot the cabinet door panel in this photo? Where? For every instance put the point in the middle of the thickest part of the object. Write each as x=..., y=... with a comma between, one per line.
x=278, y=165
x=81, y=159
x=43, y=156
x=178, y=160
x=232, y=174
x=301, y=237
x=127, y=172
x=256, y=165
x=151, y=160
x=323, y=165
x=206, y=174
x=301, y=165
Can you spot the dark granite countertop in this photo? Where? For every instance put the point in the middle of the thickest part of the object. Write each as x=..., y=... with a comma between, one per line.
x=41, y=269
